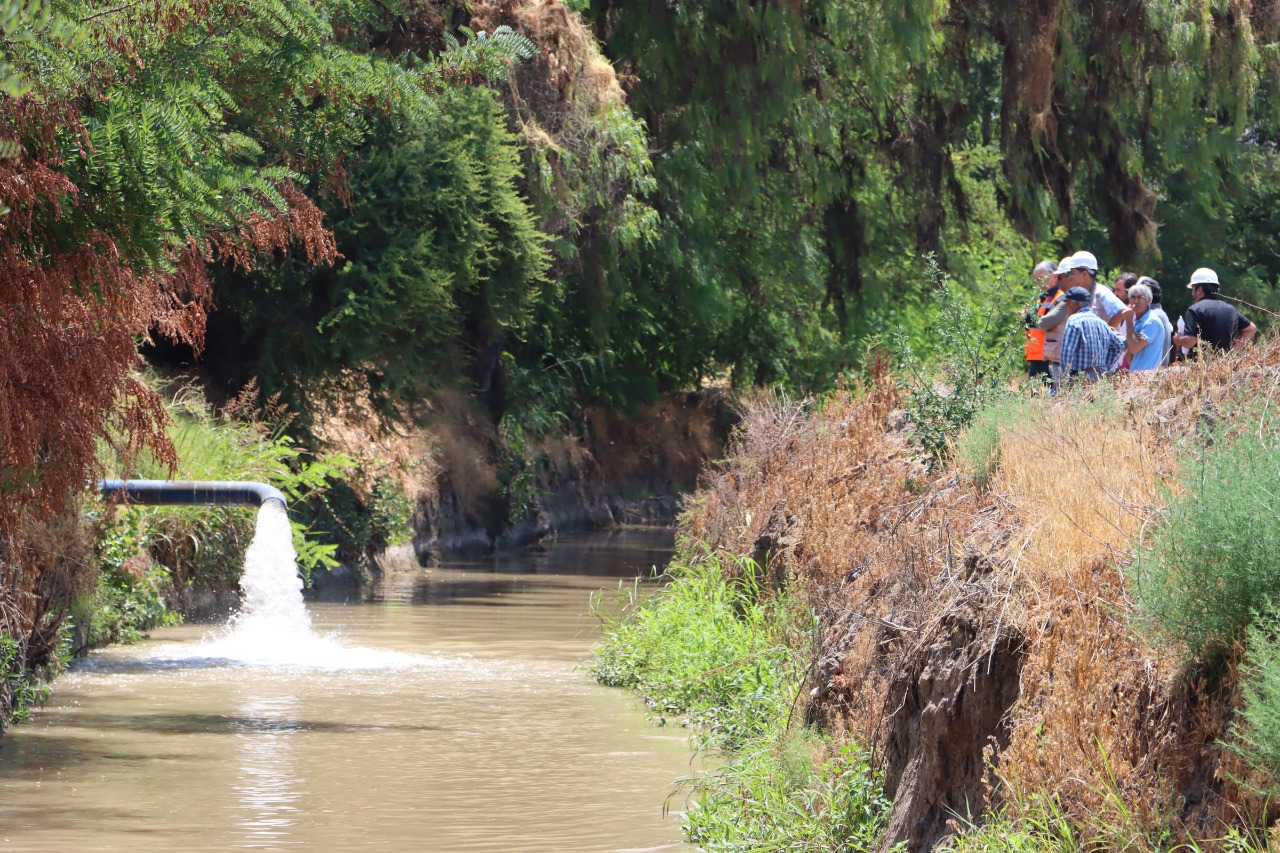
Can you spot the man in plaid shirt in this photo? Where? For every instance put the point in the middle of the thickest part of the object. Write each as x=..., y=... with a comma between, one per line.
x=1089, y=347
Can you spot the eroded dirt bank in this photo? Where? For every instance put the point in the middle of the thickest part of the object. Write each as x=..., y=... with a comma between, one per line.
x=474, y=490
x=981, y=640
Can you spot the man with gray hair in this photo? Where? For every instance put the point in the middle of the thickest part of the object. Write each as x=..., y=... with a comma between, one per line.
x=1145, y=337
x=1157, y=310
x=1037, y=344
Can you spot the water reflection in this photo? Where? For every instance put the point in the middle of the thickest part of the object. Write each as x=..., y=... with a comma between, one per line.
x=269, y=790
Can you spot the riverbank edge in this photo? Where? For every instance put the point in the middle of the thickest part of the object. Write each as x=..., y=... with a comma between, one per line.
x=475, y=492
x=974, y=625
x=606, y=513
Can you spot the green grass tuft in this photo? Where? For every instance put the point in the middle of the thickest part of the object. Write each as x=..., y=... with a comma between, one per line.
x=792, y=795
x=977, y=448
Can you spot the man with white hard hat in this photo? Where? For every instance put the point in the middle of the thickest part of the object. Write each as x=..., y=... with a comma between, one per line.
x=1084, y=273
x=1210, y=319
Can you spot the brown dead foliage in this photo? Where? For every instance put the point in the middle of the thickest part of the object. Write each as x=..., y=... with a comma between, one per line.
x=74, y=303
x=569, y=74
x=980, y=639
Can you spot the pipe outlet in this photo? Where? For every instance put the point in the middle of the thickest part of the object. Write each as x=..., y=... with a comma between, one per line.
x=191, y=492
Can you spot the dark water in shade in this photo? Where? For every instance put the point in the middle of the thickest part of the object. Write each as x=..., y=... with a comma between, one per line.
x=448, y=714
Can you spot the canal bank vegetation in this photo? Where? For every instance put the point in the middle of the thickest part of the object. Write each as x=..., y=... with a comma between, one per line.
x=718, y=651
x=1058, y=633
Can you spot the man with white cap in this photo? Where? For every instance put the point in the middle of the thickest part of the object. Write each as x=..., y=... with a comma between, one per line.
x=1084, y=272
x=1210, y=319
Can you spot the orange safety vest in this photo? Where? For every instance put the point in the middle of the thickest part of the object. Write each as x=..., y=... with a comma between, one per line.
x=1034, y=348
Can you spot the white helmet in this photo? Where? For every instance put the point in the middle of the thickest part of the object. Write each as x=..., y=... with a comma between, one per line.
x=1084, y=260
x=1205, y=277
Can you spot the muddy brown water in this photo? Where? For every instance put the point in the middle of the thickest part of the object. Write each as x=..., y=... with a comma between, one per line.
x=451, y=714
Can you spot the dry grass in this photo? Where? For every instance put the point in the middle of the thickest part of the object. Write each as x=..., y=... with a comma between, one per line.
x=895, y=558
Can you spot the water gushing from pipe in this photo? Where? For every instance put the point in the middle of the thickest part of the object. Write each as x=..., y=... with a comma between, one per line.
x=271, y=605
x=272, y=627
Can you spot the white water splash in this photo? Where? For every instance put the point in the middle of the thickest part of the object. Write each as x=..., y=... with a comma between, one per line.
x=272, y=627
x=271, y=605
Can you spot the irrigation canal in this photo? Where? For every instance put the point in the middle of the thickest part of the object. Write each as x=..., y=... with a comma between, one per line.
x=450, y=713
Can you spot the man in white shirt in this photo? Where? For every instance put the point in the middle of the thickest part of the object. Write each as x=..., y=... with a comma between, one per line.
x=1084, y=272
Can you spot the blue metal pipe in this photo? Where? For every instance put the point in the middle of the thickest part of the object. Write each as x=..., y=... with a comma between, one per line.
x=191, y=492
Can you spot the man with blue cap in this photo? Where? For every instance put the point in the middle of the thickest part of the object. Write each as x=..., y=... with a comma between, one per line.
x=1089, y=347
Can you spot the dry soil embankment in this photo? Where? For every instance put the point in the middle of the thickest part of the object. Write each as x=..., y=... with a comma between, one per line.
x=980, y=639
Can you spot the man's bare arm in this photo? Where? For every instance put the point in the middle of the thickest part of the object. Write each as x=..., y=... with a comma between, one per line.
x=1120, y=317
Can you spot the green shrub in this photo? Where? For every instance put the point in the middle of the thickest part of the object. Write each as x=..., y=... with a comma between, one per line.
x=963, y=367
x=353, y=514
x=127, y=599
x=784, y=796
x=1214, y=555
x=706, y=647
x=20, y=688
x=1258, y=728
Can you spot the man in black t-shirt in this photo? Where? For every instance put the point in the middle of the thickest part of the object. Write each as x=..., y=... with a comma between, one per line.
x=1210, y=319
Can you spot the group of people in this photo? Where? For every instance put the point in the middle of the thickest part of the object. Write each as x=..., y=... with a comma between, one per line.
x=1085, y=329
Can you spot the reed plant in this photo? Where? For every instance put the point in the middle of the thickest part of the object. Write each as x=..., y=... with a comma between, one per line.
x=1040, y=823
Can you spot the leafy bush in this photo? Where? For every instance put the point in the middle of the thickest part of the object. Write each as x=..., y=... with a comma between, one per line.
x=1258, y=732
x=128, y=599
x=777, y=799
x=1214, y=556
x=352, y=514
x=961, y=367
x=20, y=688
x=705, y=647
